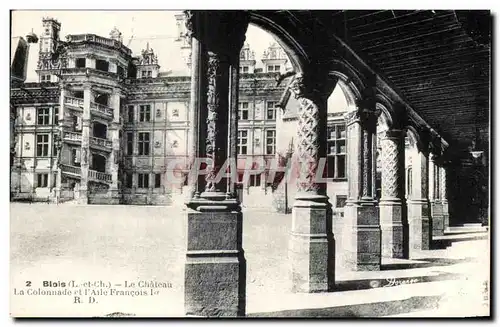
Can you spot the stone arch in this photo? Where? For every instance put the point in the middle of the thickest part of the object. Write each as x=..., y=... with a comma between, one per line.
x=298, y=56
x=414, y=138
x=385, y=118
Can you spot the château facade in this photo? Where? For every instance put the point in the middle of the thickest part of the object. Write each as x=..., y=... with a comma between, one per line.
x=101, y=125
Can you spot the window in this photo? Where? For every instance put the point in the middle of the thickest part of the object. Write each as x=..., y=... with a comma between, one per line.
x=77, y=123
x=56, y=115
x=128, y=180
x=45, y=78
x=336, y=151
x=80, y=62
x=270, y=68
x=243, y=111
x=340, y=202
x=271, y=110
x=409, y=182
x=43, y=116
x=150, y=74
x=42, y=145
x=130, y=112
x=120, y=71
x=244, y=69
x=143, y=144
x=254, y=180
x=242, y=141
x=157, y=180
x=145, y=113
x=277, y=68
x=130, y=143
x=143, y=73
x=143, y=181
x=76, y=154
x=42, y=180
x=270, y=141
x=102, y=65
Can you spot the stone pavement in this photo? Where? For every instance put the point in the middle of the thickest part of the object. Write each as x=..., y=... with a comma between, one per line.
x=118, y=243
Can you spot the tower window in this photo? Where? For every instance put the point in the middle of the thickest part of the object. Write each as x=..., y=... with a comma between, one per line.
x=80, y=62
x=102, y=65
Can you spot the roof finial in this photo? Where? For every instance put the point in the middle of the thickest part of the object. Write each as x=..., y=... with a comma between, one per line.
x=147, y=46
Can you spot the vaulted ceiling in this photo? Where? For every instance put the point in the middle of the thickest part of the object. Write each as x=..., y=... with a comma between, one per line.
x=437, y=60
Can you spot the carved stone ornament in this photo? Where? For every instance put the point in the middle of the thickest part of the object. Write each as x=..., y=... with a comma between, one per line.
x=158, y=113
x=28, y=116
x=212, y=117
x=27, y=146
x=157, y=144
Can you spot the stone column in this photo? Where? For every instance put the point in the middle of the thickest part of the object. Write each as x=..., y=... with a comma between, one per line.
x=196, y=97
x=361, y=229
x=311, y=245
x=392, y=204
x=114, y=135
x=444, y=197
x=215, y=266
x=419, y=205
x=85, y=153
x=434, y=194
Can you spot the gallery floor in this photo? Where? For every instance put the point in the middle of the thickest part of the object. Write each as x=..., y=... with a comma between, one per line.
x=101, y=248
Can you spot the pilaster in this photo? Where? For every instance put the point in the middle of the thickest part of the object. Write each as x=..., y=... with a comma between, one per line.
x=361, y=228
x=392, y=204
x=114, y=157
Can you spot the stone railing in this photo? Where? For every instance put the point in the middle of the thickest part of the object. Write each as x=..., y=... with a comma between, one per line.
x=100, y=176
x=101, y=108
x=100, y=142
x=98, y=39
x=77, y=102
x=73, y=136
x=70, y=169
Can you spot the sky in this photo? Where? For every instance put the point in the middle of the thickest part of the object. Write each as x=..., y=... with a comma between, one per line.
x=137, y=27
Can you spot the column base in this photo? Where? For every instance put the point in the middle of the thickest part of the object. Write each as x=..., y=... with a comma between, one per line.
x=312, y=246
x=437, y=219
x=215, y=267
x=83, y=197
x=394, y=232
x=419, y=225
x=361, y=237
x=114, y=196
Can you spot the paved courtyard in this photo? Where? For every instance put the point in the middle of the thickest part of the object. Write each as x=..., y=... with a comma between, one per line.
x=115, y=244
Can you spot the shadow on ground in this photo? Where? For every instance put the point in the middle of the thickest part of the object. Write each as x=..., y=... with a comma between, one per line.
x=378, y=309
x=424, y=263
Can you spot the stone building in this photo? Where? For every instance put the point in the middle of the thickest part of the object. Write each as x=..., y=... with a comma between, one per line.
x=102, y=125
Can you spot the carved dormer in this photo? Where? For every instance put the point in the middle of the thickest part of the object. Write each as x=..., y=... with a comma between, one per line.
x=247, y=60
x=147, y=66
x=116, y=35
x=274, y=59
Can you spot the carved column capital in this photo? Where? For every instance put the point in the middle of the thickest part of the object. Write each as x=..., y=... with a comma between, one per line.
x=366, y=118
x=220, y=31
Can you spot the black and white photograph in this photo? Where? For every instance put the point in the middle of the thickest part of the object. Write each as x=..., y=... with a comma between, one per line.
x=250, y=163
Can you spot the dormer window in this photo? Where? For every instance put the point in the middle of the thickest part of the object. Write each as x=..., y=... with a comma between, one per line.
x=150, y=73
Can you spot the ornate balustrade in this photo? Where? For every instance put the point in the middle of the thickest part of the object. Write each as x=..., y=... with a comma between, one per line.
x=100, y=176
x=71, y=169
x=101, y=108
x=76, y=102
x=100, y=142
x=73, y=136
